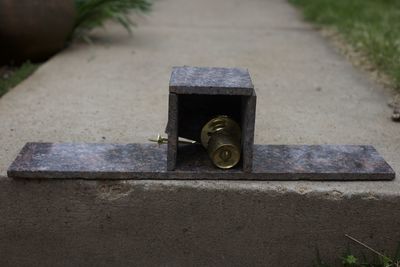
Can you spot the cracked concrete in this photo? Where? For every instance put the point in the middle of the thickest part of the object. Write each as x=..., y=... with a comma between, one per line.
x=116, y=91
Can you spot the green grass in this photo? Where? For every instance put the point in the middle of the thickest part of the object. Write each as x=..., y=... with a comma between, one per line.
x=349, y=260
x=15, y=76
x=370, y=26
x=375, y=259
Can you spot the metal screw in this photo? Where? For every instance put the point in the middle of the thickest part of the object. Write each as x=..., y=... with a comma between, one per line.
x=163, y=140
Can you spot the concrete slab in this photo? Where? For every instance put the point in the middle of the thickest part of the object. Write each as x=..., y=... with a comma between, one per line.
x=117, y=91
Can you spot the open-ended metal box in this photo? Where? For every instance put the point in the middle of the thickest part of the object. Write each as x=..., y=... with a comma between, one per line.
x=199, y=94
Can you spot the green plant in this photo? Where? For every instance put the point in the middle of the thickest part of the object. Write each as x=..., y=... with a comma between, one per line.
x=350, y=260
x=370, y=26
x=93, y=13
x=90, y=14
x=12, y=76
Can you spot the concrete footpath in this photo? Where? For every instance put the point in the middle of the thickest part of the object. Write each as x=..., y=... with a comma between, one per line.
x=116, y=91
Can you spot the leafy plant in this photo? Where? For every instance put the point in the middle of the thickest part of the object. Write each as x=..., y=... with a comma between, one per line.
x=350, y=260
x=93, y=13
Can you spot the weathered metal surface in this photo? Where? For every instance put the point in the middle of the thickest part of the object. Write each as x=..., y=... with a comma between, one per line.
x=149, y=161
x=210, y=81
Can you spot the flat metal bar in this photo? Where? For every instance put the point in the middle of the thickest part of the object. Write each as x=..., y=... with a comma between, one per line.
x=149, y=161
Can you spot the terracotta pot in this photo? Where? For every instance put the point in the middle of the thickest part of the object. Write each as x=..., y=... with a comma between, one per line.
x=34, y=29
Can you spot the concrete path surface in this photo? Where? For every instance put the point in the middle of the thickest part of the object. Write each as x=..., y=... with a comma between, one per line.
x=116, y=91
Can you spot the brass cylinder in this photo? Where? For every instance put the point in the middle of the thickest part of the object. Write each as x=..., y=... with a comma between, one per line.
x=221, y=137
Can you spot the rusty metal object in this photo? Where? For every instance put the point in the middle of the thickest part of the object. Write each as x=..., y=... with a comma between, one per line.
x=34, y=29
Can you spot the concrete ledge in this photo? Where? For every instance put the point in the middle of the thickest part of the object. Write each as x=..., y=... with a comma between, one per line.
x=184, y=223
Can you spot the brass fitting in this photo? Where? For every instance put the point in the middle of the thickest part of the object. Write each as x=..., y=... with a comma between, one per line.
x=221, y=137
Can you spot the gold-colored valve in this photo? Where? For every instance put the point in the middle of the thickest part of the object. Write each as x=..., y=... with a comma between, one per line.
x=221, y=137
